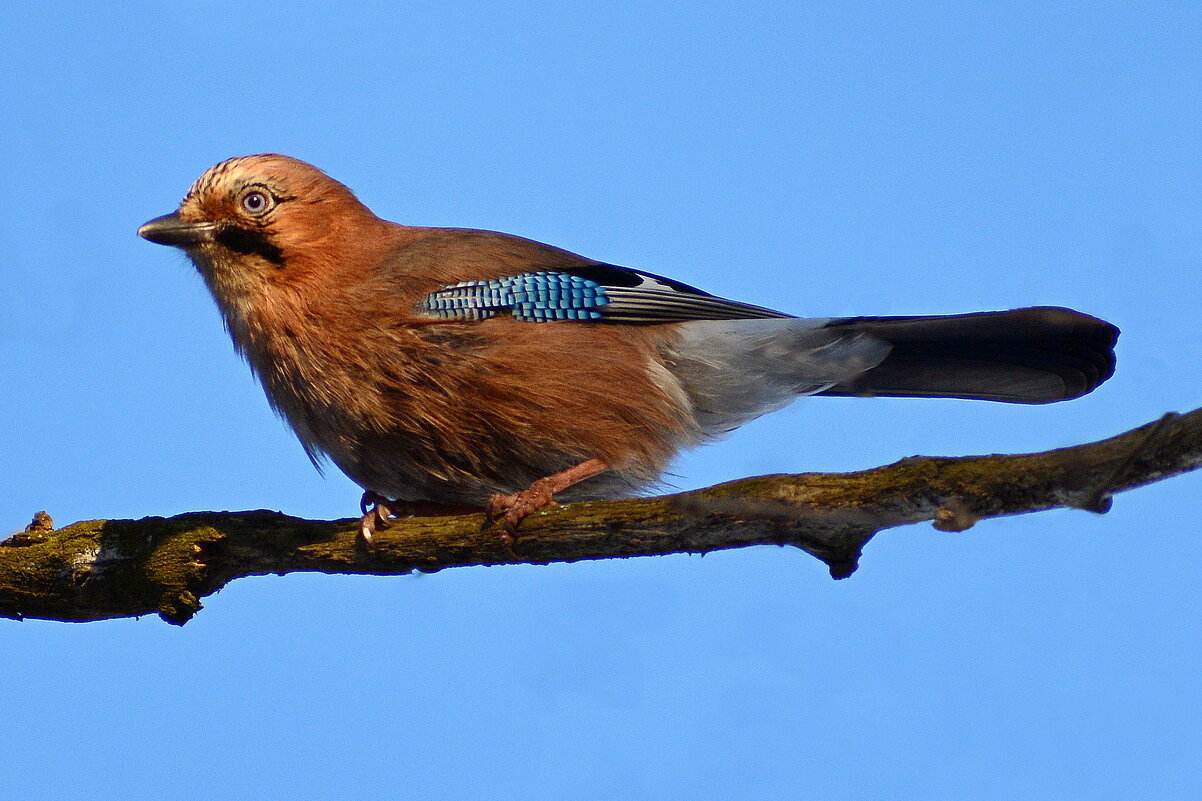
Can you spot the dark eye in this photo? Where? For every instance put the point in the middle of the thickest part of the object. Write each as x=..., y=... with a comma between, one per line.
x=257, y=202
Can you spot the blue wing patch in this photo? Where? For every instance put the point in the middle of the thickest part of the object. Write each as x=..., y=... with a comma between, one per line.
x=529, y=297
x=597, y=292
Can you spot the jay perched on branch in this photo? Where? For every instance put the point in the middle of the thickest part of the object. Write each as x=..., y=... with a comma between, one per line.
x=444, y=368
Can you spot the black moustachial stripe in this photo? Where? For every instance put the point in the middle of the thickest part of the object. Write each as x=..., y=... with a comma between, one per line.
x=243, y=240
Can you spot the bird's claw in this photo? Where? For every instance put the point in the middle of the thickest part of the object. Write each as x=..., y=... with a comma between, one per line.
x=508, y=510
x=379, y=512
x=376, y=515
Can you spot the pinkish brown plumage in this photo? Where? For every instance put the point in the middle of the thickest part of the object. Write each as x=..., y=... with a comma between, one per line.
x=465, y=367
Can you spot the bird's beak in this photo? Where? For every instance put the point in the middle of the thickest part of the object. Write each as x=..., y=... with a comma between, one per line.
x=171, y=230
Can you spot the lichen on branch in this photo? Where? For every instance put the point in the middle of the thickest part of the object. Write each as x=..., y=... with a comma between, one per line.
x=101, y=569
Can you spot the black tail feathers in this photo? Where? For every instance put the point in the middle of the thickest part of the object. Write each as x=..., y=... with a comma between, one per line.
x=1036, y=355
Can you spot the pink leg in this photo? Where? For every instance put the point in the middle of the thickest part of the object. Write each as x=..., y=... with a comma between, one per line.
x=378, y=511
x=517, y=506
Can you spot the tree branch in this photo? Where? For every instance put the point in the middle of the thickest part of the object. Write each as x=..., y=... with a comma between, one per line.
x=120, y=568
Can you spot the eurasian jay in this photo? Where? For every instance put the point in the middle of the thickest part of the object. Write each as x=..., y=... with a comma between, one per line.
x=448, y=368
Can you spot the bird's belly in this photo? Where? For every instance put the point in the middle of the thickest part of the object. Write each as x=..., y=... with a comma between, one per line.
x=405, y=469
x=453, y=424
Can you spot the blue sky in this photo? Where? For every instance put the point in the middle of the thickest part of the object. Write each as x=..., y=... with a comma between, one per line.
x=861, y=159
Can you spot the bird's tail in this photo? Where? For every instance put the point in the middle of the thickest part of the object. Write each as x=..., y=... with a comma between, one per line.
x=1036, y=355
x=735, y=370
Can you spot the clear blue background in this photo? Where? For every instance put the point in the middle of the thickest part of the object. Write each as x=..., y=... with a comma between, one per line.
x=826, y=159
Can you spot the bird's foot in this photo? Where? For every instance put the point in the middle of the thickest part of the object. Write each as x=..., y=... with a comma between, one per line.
x=376, y=514
x=514, y=507
x=379, y=511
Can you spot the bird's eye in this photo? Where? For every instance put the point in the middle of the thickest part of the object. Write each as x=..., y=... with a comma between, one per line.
x=257, y=202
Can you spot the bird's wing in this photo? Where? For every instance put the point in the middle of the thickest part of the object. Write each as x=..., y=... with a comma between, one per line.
x=592, y=292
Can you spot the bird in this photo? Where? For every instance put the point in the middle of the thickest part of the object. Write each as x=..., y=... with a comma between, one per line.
x=447, y=370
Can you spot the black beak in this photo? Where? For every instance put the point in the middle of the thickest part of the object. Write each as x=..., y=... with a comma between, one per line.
x=171, y=230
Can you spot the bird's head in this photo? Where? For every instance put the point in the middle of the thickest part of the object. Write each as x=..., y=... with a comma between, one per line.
x=254, y=223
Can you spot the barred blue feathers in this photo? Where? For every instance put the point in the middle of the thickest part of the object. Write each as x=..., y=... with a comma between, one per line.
x=529, y=297
x=596, y=292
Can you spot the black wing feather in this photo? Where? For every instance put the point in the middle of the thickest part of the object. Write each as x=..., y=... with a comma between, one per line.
x=641, y=297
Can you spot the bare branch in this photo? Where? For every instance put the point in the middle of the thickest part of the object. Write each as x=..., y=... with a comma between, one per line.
x=119, y=568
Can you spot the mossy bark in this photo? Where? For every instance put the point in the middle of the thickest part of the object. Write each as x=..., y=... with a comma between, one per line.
x=102, y=569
